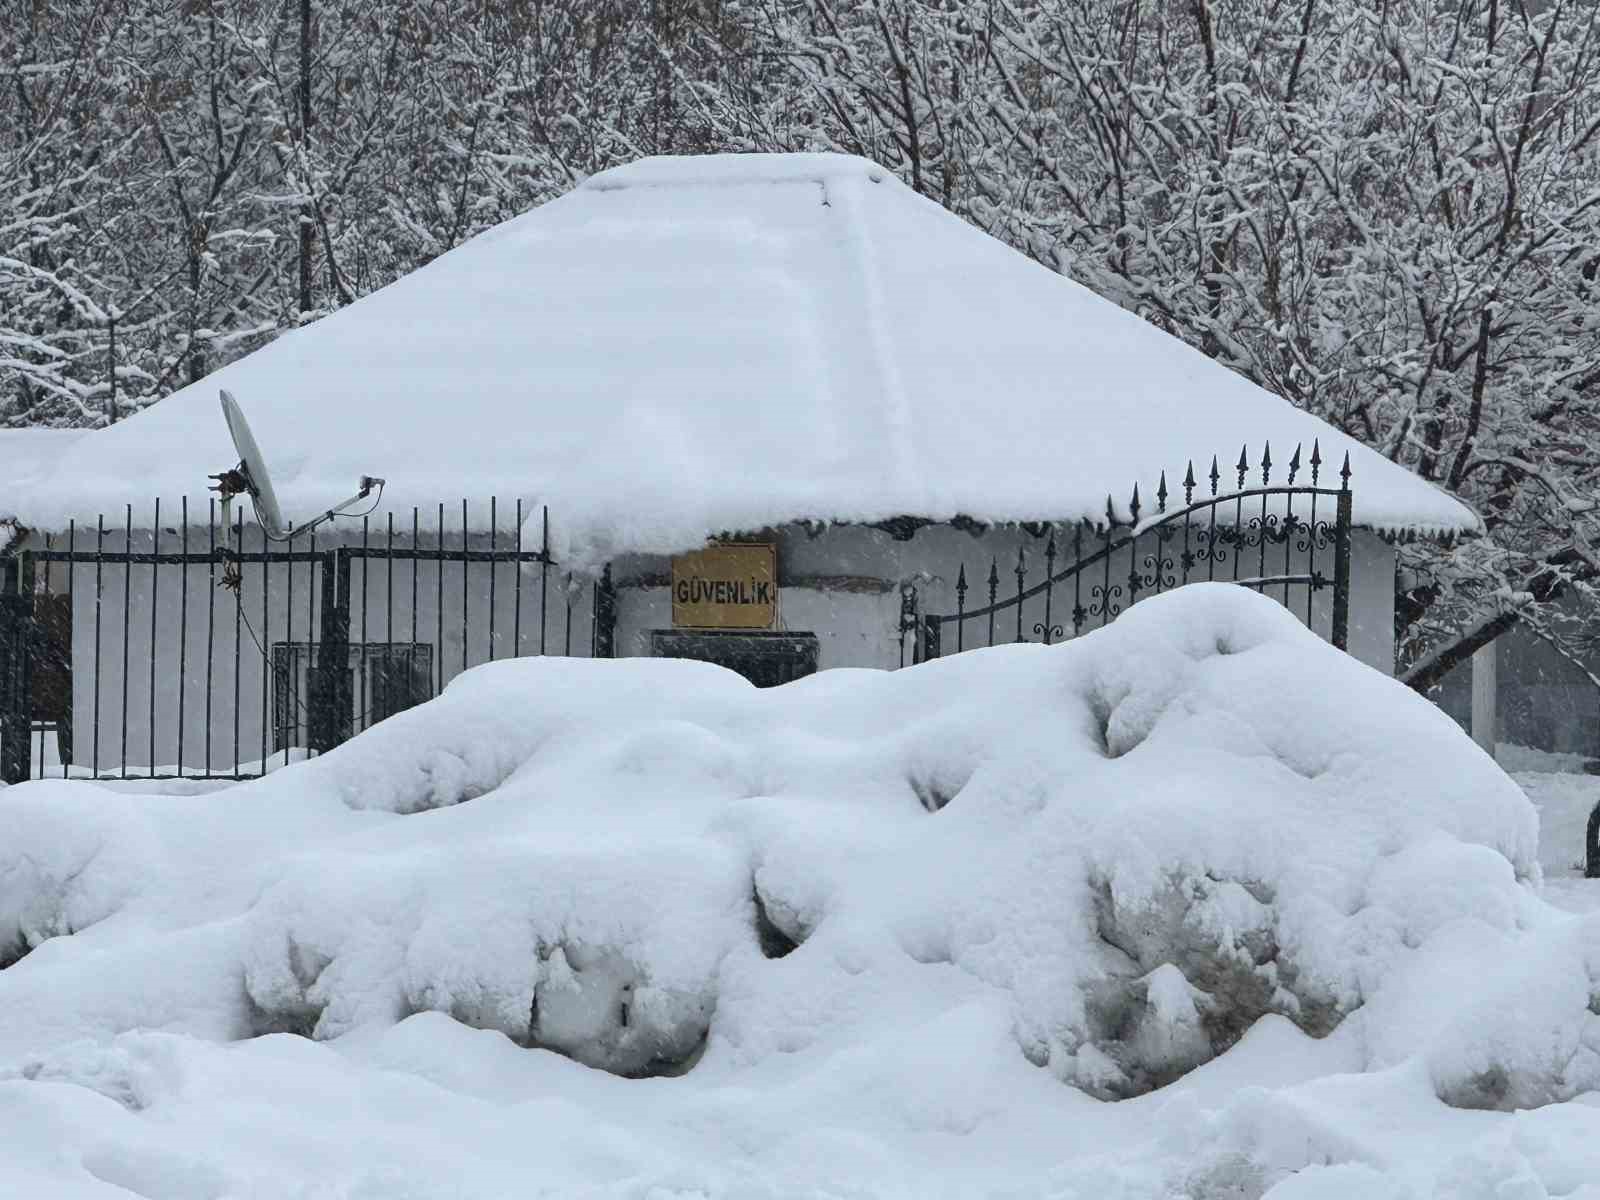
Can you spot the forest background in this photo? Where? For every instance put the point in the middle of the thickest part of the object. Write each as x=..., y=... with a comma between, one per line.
x=1385, y=211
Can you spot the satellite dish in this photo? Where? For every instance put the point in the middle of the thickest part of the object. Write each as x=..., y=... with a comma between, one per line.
x=254, y=468
x=251, y=477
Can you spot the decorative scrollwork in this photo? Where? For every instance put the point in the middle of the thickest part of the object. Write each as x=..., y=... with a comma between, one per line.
x=1048, y=632
x=1159, y=570
x=1314, y=535
x=1105, y=602
x=1214, y=545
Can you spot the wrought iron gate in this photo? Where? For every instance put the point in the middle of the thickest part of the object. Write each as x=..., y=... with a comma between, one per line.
x=1252, y=536
x=199, y=651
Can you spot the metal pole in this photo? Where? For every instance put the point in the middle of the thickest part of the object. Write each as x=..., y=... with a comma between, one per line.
x=1341, y=574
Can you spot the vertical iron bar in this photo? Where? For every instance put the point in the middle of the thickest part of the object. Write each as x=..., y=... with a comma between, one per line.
x=1211, y=537
x=544, y=577
x=16, y=721
x=155, y=572
x=494, y=568
x=961, y=609
x=183, y=628
x=99, y=595
x=388, y=626
x=416, y=566
x=1341, y=574
x=289, y=730
x=27, y=723
x=211, y=618
x=127, y=616
x=1049, y=582
x=238, y=630
x=1105, y=583
x=316, y=601
x=364, y=701
x=321, y=686
x=1238, y=527
x=345, y=709
x=1185, y=560
x=1022, y=574
x=465, y=567
x=1261, y=567
x=1288, y=545
x=72, y=639
x=1077, y=579
x=930, y=637
x=265, y=649
x=516, y=585
x=1311, y=556
x=439, y=604
x=994, y=592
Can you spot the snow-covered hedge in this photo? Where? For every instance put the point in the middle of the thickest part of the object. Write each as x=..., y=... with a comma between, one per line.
x=1130, y=848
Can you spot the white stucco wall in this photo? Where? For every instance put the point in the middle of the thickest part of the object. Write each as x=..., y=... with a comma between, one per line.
x=844, y=584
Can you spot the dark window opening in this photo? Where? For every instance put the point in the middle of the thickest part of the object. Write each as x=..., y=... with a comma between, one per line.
x=765, y=659
x=386, y=678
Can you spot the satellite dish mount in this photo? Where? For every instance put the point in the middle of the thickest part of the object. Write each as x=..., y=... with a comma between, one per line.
x=250, y=478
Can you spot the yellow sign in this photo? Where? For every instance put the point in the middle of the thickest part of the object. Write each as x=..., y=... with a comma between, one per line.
x=730, y=586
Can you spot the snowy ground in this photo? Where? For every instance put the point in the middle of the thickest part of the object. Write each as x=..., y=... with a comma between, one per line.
x=1564, y=796
x=1193, y=906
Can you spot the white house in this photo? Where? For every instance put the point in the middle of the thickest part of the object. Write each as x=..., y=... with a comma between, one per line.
x=796, y=353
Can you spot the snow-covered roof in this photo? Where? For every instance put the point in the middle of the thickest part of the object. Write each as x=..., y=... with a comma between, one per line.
x=685, y=346
x=25, y=455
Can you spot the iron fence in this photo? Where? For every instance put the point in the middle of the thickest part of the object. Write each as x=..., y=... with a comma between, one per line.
x=1251, y=535
x=195, y=649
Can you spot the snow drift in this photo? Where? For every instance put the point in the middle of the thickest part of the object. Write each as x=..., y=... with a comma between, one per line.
x=959, y=894
x=1143, y=841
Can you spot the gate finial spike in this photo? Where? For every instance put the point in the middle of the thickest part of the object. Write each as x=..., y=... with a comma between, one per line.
x=1294, y=464
x=1050, y=552
x=1161, y=494
x=1316, y=460
x=1266, y=464
x=1216, y=475
x=1244, y=463
x=961, y=581
x=1188, y=485
x=1133, y=505
x=1344, y=473
x=994, y=579
x=1111, y=513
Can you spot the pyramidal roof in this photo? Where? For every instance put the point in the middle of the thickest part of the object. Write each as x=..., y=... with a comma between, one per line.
x=686, y=346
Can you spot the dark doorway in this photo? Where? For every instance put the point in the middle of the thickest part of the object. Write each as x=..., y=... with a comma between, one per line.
x=765, y=659
x=51, y=669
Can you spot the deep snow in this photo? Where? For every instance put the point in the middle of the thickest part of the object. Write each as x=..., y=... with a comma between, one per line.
x=686, y=346
x=1198, y=859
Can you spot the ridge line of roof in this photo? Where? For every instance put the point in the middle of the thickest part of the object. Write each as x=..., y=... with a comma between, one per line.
x=899, y=423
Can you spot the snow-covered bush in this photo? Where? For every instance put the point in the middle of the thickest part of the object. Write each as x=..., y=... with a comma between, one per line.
x=1125, y=851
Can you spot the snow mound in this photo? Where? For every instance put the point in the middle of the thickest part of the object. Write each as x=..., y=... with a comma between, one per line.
x=1115, y=857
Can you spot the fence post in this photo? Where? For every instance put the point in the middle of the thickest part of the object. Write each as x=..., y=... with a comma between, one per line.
x=1341, y=573
x=1591, y=846
x=330, y=678
x=908, y=621
x=604, y=644
x=930, y=638
x=16, y=638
